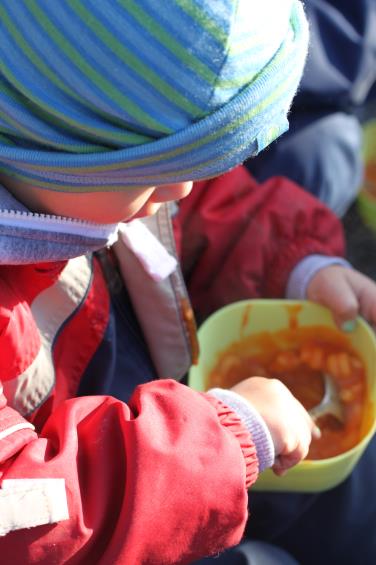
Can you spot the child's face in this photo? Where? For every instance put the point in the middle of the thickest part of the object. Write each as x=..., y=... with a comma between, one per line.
x=100, y=207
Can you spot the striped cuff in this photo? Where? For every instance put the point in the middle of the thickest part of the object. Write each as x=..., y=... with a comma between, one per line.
x=303, y=272
x=254, y=423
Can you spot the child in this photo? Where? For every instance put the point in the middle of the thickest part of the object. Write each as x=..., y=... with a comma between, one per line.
x=108, y=110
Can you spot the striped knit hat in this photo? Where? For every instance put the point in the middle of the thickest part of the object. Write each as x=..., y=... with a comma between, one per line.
x=105, y=95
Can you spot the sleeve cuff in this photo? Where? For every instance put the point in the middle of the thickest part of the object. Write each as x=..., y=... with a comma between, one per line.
x=254, y=423
x=303, y=272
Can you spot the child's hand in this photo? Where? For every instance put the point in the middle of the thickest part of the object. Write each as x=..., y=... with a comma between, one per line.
x=288, y=422
x=346, y=292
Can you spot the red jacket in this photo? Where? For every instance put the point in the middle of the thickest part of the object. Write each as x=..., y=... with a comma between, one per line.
x=239, y=239
x=163, y=479
x=99, y=481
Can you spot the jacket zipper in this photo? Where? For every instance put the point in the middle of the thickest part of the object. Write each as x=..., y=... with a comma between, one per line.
x=58, y=224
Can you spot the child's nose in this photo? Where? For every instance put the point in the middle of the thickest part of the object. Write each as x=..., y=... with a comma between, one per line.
x=168, y=192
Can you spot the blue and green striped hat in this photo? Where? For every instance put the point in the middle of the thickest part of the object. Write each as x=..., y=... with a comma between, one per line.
x=110, y=94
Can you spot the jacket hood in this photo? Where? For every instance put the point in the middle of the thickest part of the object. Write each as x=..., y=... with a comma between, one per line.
x=28, y=237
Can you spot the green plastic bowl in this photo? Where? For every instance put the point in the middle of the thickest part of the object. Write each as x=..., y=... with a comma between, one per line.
x=366, y=199
x=237, y=320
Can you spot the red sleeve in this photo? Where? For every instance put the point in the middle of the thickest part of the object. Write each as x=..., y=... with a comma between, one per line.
x=239, y=239
x=162, y=480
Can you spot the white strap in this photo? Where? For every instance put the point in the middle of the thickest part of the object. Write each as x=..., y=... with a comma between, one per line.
x=155, y=259
x=25, y=503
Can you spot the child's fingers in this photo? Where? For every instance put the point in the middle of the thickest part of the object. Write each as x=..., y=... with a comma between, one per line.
x=284, y=462
x=316, y=432
x=344, y=308
x=278, y=469
x=366, y=291
x=292, y=455
x=313, y=431
x=337, y=294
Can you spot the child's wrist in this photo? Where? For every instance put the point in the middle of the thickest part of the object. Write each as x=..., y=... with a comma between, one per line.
x=254, y=423
x=305, y=270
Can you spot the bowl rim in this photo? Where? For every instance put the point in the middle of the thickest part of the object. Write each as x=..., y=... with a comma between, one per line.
x=360, y=446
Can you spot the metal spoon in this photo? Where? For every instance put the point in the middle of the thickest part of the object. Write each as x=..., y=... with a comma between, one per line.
x=330, y=403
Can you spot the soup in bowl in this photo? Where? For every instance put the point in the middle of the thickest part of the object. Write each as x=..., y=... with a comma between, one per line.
x=298, y=343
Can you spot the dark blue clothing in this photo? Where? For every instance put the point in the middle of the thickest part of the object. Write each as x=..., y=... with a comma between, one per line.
x=112, y=369
x=334, y=527
x=322, y=153
x=322, y=149
x=252, y=553
x=341, y=66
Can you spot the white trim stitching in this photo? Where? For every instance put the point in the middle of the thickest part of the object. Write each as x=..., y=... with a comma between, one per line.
x=12, y=429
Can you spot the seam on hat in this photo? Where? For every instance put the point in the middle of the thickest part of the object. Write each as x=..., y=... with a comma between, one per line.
x=225, y=58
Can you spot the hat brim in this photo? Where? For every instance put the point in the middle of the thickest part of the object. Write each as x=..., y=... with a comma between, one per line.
x=215, y=144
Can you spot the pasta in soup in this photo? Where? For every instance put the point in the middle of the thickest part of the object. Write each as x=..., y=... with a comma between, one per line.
x=299, y=357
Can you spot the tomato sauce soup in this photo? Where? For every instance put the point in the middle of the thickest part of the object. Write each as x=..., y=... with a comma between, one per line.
x=299, y=356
